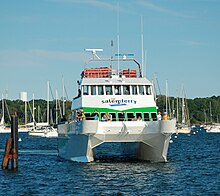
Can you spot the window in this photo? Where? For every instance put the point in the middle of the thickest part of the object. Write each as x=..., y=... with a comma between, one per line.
x=102, y=115
x=146, y=117
x=113, y=116
x=141, y=90
x=139, y=116
x=154, y=116
x=126, y=90
x=93, y=90
x=108, y=90
x=100, y=90
x=130, y=116
x=134, y=89
x=88, y=117
x=121, y=116
x=85, y=90
x=117, y=90
x=148, y=90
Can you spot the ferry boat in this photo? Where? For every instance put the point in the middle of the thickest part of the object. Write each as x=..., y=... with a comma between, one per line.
x=114, y=115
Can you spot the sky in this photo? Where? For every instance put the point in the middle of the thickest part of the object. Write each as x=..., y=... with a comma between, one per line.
x=45, y=40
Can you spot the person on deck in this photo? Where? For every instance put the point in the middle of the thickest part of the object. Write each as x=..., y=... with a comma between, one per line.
x=159, y=117
x=165, y=116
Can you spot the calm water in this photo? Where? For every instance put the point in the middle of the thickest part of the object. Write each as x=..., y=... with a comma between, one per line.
x=193, y=169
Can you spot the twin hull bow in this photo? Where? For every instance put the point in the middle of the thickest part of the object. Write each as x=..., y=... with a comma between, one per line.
x=81, y=141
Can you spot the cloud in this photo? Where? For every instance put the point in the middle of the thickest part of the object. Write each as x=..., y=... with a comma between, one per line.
x=59, y=55
x=191, y=43
x=37, y=57
x=96, y=3
x=161, y=9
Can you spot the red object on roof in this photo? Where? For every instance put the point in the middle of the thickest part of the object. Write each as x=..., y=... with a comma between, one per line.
x=105, y=72
x=102, y=72
x=129, y=73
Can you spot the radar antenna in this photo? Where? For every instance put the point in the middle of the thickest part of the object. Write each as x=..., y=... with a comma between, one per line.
x=94, y=52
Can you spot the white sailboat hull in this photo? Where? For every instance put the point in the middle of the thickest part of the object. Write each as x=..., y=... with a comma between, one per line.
x=183, y=130
x=213, y=129
x=44, y=132
x=82, y=141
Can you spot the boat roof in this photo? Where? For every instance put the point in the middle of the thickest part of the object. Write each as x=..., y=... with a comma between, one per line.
x=115, y=81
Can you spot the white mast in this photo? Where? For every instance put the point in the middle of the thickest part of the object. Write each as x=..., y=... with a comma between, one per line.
x=142, y=46
x=48, y=97
x=63, y=97
x=210, y=106
x=3, y=112
x=177, y=109
x=118, y=34
x=56, y=108
x=183, y=109
x=166, y=96
x=33, y=110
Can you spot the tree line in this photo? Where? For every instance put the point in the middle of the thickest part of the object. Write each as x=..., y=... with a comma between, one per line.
x=201, y=110
x=56, y=111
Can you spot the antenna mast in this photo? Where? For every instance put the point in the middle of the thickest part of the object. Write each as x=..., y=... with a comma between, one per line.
x=142, y=45
x=118, y=33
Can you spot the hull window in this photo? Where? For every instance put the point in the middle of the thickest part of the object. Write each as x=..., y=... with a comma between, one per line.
x=134, y=89
x=85, y=90
x=148, y=90
x=121, y=116
x=108, y=90
x=113, y=116
x=141, y=90
x=138, y=116
x=154, y=116
x=100, y=90
x=117, y=90
x=93, y=90
x=146, y=117
x=130, y=116
x=126, y=90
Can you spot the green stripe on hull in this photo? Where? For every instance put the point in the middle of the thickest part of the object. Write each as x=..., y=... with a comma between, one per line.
x=145, y=109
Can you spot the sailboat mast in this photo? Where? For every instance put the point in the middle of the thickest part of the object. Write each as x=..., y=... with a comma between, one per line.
x=63, y=97
x=33, y=110
x=56, y=109
x=166, y=97
x=3, y=112
x=183, y=112
x=48, y=97
x=210, y=106
x=177, y=109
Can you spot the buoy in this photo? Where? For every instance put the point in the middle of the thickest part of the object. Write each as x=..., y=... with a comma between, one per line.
x=171, y=141
x=19, y=140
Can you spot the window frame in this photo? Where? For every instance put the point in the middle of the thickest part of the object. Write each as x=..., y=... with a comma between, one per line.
x=146, y=119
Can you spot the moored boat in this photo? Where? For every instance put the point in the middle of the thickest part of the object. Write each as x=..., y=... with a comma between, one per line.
x=117, y=109
x=215, y=128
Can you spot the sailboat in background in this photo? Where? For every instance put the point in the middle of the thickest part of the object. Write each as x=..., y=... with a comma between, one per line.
x=43, y=129
x=183, y=126
x=213, y=127
x=3, y=127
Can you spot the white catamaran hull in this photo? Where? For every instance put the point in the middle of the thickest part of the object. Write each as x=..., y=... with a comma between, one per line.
x=80, y=141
